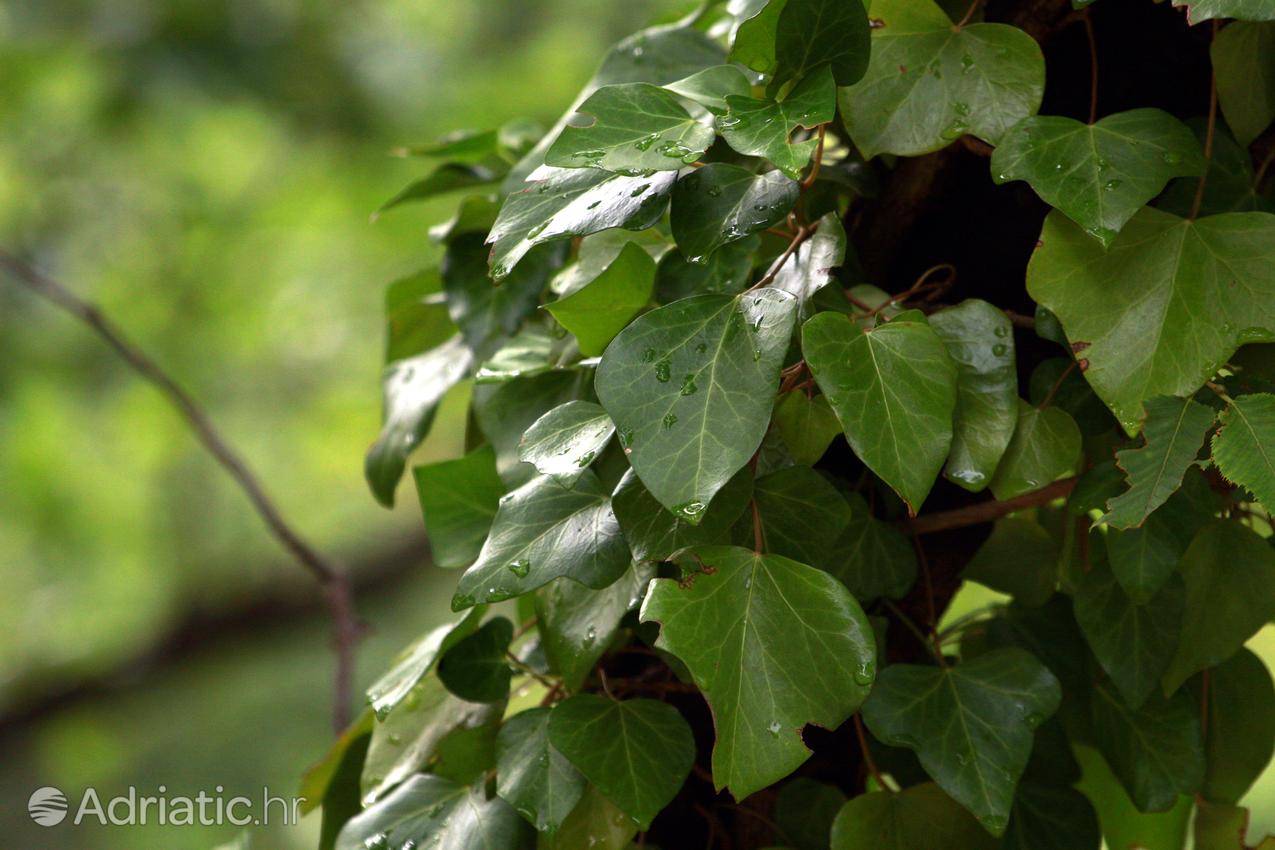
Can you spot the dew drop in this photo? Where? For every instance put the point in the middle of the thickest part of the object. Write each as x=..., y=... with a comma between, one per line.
x=1172, y=157
x=1000, y=349
x=670, y=419
x=688, y=385
x=1001, y=331
x=585, y=459
x=648, y=356
x=714, y=191
x=863, y=675
x=645, y=142
x=639, y=190
x=1111, y=184
x=774, y=727
x=967, y=63
x=663, y=371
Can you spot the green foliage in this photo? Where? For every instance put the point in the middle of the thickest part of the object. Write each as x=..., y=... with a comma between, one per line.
x=711, y=313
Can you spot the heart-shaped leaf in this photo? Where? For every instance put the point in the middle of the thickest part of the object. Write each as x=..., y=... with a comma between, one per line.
x=429, y=811
x=564, y=441
x=920, y=817
x=721, y=203
x=459, y=499
x=1045, y=447
x=600, y=309
x=763, y=127
x=1156, y=752
x=531, y=775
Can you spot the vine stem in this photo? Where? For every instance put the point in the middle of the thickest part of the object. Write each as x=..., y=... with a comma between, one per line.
x=921, y=284
x=334, y=583
x=911, y=626
x=867, y=753
x=1208, y=138
x=1093, y=65
x=803, y=233
x=987, y=511
x=969, y=15
x=818, y=160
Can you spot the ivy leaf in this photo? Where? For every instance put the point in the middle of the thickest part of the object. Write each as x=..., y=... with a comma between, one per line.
x=980, y=341
x=1229, y=186
x=1174, y=430
x=429, y=811
x=929, y=82
x=636, y=752
x=804, y=812
x=481, y=309
x=1219, y=826
x=1123, y=825
x=505, y=412
x=1143, y=558
x=544, y=531
x=1244, y=448
x=763, y=127
x=577, y=624
x=1045, y=447
x=807, y=425
x=637, y=129
x=1098, y=175
x=600, y=309
x=475, y=668
x=1240, y=736
x=725, y=272
x=710, y=86
x=414, y=662
x=1133, y=642
x=459, y=500
x=564, y=441
x=655, y=534
x=1193, y=292
x=815, y=262
x=774, y=645
x=415, y=316
x=447, y=178
x=1230, y=593
x=894, y=390
x=1199, y=11
x=876, y=559
x=1050, y=817
x=560, y=203
x=721, y=203
x=971, y=725
x=531, y=775
x=690, y=386
x=1245, y=77
x=999, y=562
x=411, y=391
x=1155, y=751
x=467, y=146
x=810, y=33
x=802, y=516
x=594, y=823
x=921, y=817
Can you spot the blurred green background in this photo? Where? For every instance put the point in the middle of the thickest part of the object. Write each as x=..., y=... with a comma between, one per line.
x=205, y=170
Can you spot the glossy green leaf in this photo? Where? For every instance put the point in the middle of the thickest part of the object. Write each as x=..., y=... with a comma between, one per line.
x=1240, y=738
x=636, y=752
x=1122, y=824
x=429, y=811
x=595, y=823
x=971, y=725
x=636, y=129
x=560, y=203
x=531, y=775
x=1000, y=564
x=894, y=389
x=411, y=390
x=459, y=499
x=1244, y=448
x=577, y=623
x=1156, y=752
x=544, y=531
x=690, y=386
x=415, y=661
x=456, y=146
x=1230, y=185
x=710, y=87
x=1143, y=558
x=600, y=310
x=815, y=261
x=1044, y=448
x=805, y=810
x=656, y=534
x=1245, y=77
x=1048, y=817
x=876, y=559
x=721, y=203
x=1133, y=642
x=763, y=127
x=725, y=272
x=807, y=424
x=564, y=441
x=1230, y=593
x=802, y=516
x=1244, y=10
x=811, y=33
x=505, y=411
x=1174, y=430
x=1193, y=292
x=481, y=309
x=1098, y=175
x=980, y=341
x=921, y=817
x=475, y=668
x=774, y=645
x=447, y=178
x=415, y=316
x=929, y=82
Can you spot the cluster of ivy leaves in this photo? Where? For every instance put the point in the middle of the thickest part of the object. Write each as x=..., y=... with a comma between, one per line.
x=666, y=330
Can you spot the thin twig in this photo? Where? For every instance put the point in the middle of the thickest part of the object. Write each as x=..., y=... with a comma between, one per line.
x=867, y=753
x=1093, y=65
x=1260, y=176
x=1018, y=320
x=987, y=511
x=818, y=159
x=335, y=584
x=1208, y=139
x=858, y=304
x=802, y=234
x=969, y=15
x=910, y=625
x=931, y=609
x=922, y=283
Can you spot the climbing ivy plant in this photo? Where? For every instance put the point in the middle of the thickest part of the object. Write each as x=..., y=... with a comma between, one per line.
x=871, y=442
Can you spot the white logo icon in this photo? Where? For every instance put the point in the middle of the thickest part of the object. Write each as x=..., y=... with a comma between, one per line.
x=47, y=806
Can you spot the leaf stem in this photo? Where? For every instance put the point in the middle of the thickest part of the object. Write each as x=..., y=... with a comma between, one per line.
x=910, y=625
x=802, y=234
x=1087, y=19
x=1208, y=139
x=922, y=283
x=969, y=14
x=818, y=159
x=982, y=512
x=1053, y=391
x=870, y=762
